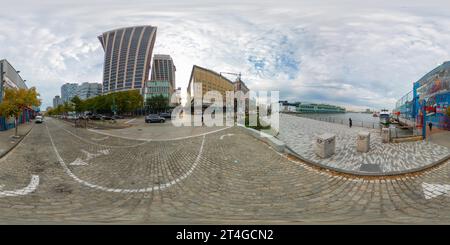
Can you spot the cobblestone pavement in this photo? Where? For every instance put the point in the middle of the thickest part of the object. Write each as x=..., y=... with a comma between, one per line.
x=159, y=131
x=299, y=134
x=63, y=174
x=7, y=142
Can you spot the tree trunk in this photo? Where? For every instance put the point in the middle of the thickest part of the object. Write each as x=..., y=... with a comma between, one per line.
x=16, y=127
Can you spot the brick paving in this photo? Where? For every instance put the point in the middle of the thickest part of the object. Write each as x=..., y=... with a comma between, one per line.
x=7, y=142
x=235, y=179
x=299, y=134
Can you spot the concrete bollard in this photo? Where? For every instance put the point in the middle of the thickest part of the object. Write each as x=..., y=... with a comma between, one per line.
x=325, y=145
x=385, y=135
x=363, y=142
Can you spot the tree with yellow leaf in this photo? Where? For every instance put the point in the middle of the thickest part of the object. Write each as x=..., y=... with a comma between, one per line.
x=16, y=100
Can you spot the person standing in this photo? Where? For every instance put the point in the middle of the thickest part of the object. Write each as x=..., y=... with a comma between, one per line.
x=350, y=123
x=430, y=125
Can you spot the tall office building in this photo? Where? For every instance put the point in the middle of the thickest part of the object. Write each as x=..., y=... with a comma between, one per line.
x=89, y=90
x=57, y=101
x=68, y=91
x=162, y=80
x=163, y=69
x=128, y=53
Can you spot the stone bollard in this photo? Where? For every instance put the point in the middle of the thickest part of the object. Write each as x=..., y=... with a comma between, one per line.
x=325, y=145
x=363, y=142
x=385, y=135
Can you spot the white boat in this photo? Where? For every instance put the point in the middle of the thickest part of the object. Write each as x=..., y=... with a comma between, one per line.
x=384, y=116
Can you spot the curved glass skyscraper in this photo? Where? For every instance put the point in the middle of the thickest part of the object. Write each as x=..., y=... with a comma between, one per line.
x=128, y=53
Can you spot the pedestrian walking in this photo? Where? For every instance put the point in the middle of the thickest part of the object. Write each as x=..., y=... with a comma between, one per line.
x=430, y=125
x=350, y=123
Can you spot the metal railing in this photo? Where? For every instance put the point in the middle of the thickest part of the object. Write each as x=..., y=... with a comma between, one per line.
x=355, y=123
x=397, y=132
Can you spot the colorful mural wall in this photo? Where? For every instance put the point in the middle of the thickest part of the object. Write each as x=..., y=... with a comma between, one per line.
x=433, y=95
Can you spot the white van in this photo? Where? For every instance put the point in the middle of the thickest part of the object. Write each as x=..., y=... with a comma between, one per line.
x=39, y=119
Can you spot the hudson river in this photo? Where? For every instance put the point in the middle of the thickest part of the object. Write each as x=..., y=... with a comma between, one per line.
x=359, y=119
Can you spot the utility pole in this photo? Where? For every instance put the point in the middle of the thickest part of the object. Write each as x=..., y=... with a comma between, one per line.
x=1, y=81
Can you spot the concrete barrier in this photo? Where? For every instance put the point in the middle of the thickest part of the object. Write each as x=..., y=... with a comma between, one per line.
x=363, y=142
x=275, y=143
x=325, y=145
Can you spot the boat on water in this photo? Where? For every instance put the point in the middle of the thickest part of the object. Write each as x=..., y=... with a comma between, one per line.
x=319, y=108
x=384, y=116
x=375, y=114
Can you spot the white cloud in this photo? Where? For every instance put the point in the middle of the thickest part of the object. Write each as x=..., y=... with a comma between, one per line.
x=351, y=53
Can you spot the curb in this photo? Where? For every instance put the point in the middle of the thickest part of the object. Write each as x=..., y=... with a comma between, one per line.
x=275, y=143
x=367, y=174
x=16, y=144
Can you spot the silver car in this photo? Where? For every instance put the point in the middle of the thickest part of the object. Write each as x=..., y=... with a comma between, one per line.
x=154, y=118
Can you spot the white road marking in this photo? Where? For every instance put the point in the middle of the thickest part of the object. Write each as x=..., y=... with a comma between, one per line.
x=158, y=140
x=89, y=156
x=434, y=190
x=100, y=139
x=78, y=162
x=132, y=120
x=117, y=190
x=34, y=182
x=90, y=142
x=221, y=137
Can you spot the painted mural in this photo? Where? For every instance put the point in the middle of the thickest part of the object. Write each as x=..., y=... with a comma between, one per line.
x=434, y=94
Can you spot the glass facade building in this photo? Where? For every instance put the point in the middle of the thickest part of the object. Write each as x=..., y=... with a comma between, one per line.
x=162, y=80
x=89, y=90
x=163, y=69
x=68, y=91
x=128, y=53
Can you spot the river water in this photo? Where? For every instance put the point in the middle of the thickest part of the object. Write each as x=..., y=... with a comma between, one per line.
x=359, y=119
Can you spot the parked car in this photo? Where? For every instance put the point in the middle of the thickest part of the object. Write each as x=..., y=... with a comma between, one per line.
x=154, y=118
x=118, y=117
x=165, y=114
x=95, y=117
x=107, y=118
x=39, y=119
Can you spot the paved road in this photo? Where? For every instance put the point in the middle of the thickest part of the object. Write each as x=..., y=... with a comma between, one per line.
x=299, y=134
x=85, y=177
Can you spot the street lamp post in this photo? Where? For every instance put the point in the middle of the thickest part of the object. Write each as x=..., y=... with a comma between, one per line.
x=1, y=81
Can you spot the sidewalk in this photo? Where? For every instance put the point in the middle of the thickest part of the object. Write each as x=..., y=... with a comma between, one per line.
x=440, y=137
x=7, y=142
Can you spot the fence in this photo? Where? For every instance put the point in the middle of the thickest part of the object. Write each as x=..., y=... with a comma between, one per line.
x=396, y=132
x=356, y=123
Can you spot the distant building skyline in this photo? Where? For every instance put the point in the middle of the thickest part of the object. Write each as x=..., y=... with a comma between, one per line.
x=163, y=69
x=68, y=91
x=88, y=90
x=128, y=53
x=162, y=80
x=57, y=101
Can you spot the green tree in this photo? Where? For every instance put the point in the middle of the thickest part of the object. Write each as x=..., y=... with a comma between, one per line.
x=157, y=103
x=16, y=100
x=77, y=104
x=67, y=107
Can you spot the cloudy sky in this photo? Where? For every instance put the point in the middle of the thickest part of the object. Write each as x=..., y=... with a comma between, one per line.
x=350, y=53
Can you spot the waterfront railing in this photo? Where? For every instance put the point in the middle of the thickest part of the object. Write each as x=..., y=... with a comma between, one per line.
x=356, y=123
x=411, y=128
